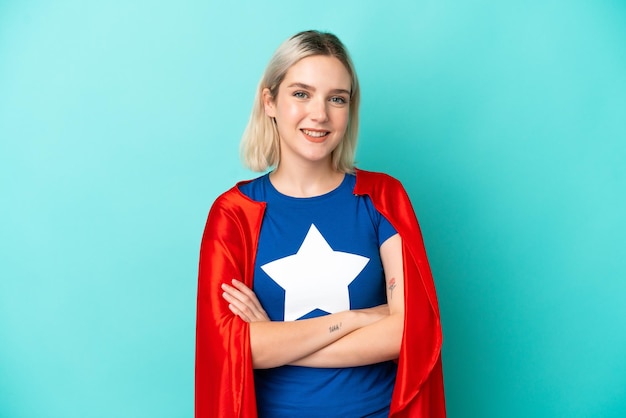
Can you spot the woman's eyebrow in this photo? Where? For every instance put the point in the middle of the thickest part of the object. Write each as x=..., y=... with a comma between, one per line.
x=341, y=91
x=311, y=88
x=302, y=86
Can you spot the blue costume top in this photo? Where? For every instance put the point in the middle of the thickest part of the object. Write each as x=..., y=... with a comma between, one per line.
x=317, y=256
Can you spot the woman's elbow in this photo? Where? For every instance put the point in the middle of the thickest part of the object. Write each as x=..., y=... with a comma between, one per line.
x=396, y=334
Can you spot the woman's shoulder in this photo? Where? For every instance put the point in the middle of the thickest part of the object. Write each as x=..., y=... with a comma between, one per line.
x=239, y=195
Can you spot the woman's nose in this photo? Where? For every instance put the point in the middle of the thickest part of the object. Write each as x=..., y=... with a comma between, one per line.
x=318, y=111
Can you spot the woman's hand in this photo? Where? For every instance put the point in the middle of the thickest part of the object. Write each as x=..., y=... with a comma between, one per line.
x=243, y=302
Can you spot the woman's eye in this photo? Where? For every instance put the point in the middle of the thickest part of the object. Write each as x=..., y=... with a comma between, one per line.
x=300, y=95
x=338, y=100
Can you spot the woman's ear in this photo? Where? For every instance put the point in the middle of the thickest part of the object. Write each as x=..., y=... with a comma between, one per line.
x=268, y=103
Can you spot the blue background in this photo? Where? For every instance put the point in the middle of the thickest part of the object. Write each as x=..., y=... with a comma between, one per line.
x=120, y=123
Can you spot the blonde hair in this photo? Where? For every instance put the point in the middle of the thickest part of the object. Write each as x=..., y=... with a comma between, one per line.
x=260, y=147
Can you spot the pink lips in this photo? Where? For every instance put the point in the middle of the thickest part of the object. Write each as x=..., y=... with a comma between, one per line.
x=315, y=135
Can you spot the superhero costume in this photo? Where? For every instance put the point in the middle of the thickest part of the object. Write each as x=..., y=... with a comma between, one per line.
x=224, y=377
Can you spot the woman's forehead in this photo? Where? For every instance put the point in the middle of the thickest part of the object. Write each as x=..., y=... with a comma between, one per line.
x=319, y=70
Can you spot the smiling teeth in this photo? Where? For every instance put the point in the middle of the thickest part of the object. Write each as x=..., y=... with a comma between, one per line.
x=315, y=134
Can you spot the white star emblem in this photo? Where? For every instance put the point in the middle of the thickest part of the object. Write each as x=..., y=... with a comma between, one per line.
x=316, y=277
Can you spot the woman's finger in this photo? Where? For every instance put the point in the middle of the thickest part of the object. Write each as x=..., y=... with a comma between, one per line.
x=238, y=312
x=248, y=292
x=239, y=295
x=238, y=308
x=245, y=302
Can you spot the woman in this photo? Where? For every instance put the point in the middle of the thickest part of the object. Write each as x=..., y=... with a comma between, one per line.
x=315, y=298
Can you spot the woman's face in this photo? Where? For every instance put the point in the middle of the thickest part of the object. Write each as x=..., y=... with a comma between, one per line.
x=311, y=109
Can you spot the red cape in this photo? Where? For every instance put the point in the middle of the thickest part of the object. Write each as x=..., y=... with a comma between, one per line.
x=224, y=379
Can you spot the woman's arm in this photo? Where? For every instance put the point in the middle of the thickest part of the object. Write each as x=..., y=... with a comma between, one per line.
x=276, y=343
x=344, y=339
x=379, y=341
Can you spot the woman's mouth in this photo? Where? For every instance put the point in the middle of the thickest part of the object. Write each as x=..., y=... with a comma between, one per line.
x=315, y=135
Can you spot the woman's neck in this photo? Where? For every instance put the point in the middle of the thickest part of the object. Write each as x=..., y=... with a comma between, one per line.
x=305, y=181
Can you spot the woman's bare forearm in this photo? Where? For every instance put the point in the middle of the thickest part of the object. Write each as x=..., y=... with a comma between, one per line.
x=377, y=342
x=276, y=343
